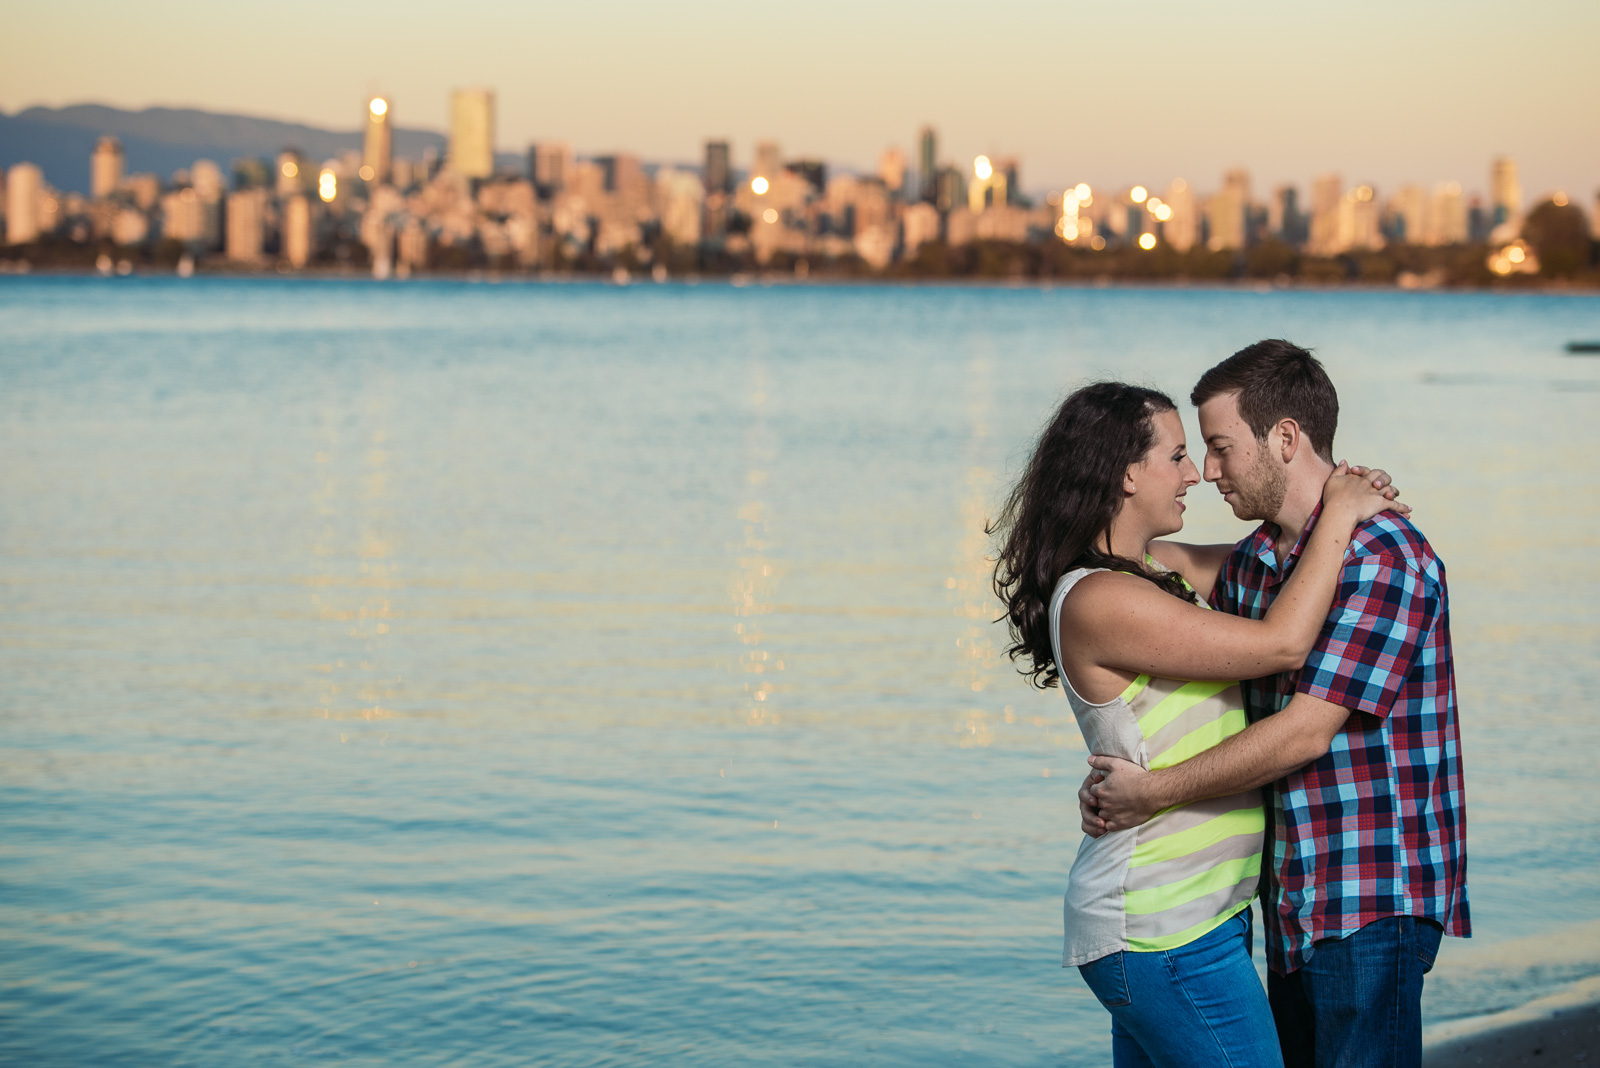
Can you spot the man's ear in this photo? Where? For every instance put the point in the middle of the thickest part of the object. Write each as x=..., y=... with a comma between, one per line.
x=1287, y=439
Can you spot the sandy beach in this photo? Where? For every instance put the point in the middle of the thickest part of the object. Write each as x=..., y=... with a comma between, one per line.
x=1563, y=1028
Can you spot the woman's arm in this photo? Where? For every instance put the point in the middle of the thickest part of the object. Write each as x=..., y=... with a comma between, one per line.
x=1123, y=623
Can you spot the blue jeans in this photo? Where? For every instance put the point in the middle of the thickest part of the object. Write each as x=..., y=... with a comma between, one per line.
x=1199, y=1005
x=1358, y=1001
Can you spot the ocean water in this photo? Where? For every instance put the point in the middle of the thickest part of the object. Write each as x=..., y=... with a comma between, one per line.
x=438, y=673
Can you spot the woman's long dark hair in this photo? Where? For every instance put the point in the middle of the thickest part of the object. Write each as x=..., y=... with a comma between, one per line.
x=1058, y=518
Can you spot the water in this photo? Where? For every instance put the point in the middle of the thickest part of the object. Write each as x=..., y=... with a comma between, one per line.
x=436, y=673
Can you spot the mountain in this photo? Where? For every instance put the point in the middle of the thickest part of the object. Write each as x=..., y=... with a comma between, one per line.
x=162, y=140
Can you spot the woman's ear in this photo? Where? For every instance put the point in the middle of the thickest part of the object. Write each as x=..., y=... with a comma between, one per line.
x=1130, y=485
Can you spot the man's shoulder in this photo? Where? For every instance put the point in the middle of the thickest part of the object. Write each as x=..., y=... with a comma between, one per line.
x=1392, y=535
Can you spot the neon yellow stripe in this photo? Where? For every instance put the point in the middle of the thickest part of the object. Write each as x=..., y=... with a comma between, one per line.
x=1200, y=739
x=1177, y=703
x=1172, y=846
x=1135, y=688
x=1162, y=898
x=1183, y=938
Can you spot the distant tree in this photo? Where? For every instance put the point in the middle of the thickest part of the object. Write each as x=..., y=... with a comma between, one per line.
x=1560, y=235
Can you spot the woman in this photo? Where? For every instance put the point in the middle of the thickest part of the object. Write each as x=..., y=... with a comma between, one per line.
x=1157, y=917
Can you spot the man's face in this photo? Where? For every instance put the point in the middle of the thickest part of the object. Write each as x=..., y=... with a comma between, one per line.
x=1250, y=480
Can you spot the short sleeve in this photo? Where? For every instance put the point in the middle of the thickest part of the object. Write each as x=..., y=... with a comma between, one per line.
x=1371, y=640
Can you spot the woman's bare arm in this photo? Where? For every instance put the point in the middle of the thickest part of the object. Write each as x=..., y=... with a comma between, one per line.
x=1123, y=623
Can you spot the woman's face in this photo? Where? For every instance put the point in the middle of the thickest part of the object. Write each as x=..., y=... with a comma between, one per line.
x=1160, y=481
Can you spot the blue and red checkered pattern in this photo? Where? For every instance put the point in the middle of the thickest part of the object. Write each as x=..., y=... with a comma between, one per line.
x=1377, y=826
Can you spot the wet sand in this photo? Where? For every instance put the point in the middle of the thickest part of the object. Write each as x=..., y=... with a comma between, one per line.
x=1561, y=1029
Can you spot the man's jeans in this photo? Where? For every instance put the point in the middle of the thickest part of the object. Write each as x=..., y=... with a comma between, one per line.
x=1358, y=1001
x=1197, y=1006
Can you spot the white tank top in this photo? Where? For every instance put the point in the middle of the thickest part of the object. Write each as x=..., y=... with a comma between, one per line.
x=1191, y=867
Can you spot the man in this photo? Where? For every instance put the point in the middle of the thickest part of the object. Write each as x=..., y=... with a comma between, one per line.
x=1368, y=861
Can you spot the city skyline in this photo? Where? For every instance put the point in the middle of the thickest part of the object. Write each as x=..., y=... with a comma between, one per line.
x=1385, y=96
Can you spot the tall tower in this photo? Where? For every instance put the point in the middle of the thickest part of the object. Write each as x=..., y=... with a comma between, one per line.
x=472, y=133
x=769, y=160
x=1327, y=192
x=928, y=163
x=377, y=155
x=1505, y=190
x=105, y=167
x=718, y=174
x=24, y=190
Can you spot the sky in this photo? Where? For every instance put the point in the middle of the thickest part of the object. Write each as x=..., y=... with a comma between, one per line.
x=1418, y=91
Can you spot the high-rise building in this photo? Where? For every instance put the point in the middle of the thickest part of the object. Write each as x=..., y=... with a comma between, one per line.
x=1445, y=221
x=210, y=186
x=928, y=164
x=1181, y=230
x=892, y=169
x=1327, y=191
x=678, y=205
x=472, y=133
x=183, y=216
x=1227, y=210
x=769, y=161
x=718, y=173
x=1010, y=171
x=624, y=176
x=1505, y=190
x=144, y=188
x=246, y=225
x=293, y=173
x=550, y=166
x=24, y=192
x=105, y=167
x=1408, y=210
x=1285, y=220
x=949, y=189
x=377, y=154
x=297, y=243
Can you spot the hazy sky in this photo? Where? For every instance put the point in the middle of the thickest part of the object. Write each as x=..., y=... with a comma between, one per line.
x=1415, y=90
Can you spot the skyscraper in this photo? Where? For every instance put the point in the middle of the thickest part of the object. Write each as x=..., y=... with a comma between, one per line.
x=377, y=154
x=105, y=167
x=1226, y=211
x=1505, y=190
x=472, y=133
x=1327, y=191
x=297, y=230
x=24, y=191
x=718, y=174
x=769, y=160
x=928, y=164
x=293, y=173
x=892, y=169
x=550, y=165
x=246, y=223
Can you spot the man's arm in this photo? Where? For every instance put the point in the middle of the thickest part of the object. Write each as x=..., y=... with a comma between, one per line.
x=1261, y=753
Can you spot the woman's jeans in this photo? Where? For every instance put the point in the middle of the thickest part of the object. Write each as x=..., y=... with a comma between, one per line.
x=1201, y=1004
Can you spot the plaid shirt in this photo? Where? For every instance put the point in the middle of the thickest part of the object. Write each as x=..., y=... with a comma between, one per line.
x=1377, y=826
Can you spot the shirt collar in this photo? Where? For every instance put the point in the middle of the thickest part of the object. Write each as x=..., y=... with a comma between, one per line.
x=1266, y=536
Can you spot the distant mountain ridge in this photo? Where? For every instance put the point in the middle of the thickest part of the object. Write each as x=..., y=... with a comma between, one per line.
x=161, y=140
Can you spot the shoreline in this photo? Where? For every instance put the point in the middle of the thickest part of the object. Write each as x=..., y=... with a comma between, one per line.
x=1559, y=1028
x=741, y=280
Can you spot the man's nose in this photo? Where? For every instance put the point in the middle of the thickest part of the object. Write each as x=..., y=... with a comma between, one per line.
x=1213, y=469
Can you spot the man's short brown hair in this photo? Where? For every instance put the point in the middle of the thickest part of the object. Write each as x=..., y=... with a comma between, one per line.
x=1277, y=380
